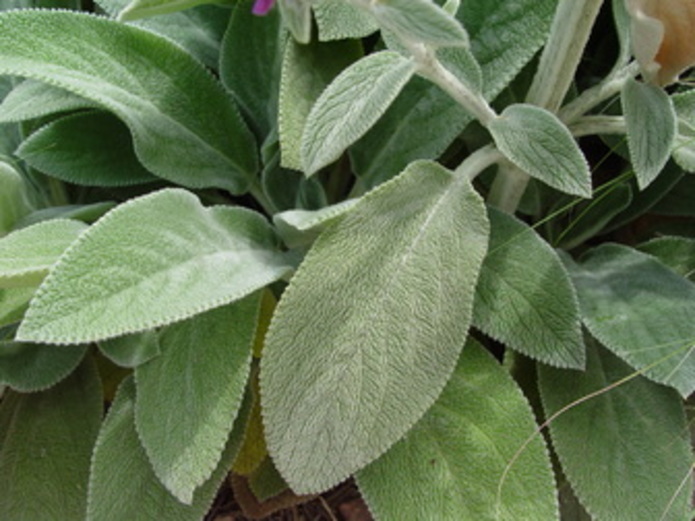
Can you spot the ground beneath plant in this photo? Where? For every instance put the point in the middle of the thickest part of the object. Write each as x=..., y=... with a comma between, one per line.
x=342, y=503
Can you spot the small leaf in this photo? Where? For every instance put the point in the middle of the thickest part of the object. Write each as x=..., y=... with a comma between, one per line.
x=89, y=148
x=202, y=370
x=450, y=464
x=122, y=485
x=302, y=227
x=651, y=128
x=536, y=141
x=149, y=262
x=634, y=436
x=641, y=310
x=34, y=99
x=147, y=81
x=350, y=105
x=34, y=367
x=46, y=447
x=144, y=8
x=131, y=350
x=419, y=21
x=340, y=20
x=27, y=254
x=306, y=71
x=525, y=297
x=377, y=339
x=296, y=15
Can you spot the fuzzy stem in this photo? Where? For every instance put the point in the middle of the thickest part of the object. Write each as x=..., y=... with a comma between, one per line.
x=569, y=34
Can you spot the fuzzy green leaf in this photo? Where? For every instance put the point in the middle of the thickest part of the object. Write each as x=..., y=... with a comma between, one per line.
x=678, y=253
x=651, y=128
x=122, y=485
x=27, y=254
x=450, y=464
x=641, y=310
x=525, y=297
x=14, y=203
x=150, y=262
x=296, y=15
x=250, y=64
x=13, y=304
x=45, y=453
x=202, y=370
x=536, y=141
x=350, y=105
x=35, y=367
x=89, y=148
x=340, y=20
x=306, y=71
x=302, y=227
x=34, y=99
x=144, y=8
x=419, y=21
x=131, y=350
x=145, y=80
x=377, y=338
x=626, y=452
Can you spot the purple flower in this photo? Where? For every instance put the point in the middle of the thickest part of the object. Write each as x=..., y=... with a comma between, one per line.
x=261, y=7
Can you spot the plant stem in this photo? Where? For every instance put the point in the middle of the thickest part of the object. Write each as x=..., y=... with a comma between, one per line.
x=478, y=161
x=569, y=34
x=598, y=125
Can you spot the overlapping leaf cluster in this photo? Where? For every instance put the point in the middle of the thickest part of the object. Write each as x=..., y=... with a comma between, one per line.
x=453, y=268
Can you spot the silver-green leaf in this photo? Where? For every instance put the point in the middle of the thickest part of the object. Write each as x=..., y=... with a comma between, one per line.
x=641, y=310
x=651, y=128
x=147, y=81
x=350, y=105
x=373, y=321
x=202, y=370
x=452, y=465
x=149, y=262
x=536, y=141
x=525, y=297
x=626, y=452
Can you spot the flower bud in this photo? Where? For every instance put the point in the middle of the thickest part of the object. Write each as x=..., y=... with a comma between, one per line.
x=662, y=37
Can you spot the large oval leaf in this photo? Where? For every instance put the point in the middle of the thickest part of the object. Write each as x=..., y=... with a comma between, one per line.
x=533, y=311
x=149, y=262
x=46, y=446
x=201, y=371
x=371, y=326
x=641, y=310
x=450, y=465
x=144, y=79
x=627, y=451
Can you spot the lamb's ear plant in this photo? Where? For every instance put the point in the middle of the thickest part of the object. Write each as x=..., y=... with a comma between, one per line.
x=444, y=249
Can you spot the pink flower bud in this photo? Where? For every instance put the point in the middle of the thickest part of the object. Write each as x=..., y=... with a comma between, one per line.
x=662, y=37
x=261, y=7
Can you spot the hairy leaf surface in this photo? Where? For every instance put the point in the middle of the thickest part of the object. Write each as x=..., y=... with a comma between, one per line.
x=144, y=8
x=373, y=321
x=34, y=367
x=537, y=142
x=33, y=99
x=651, y=128
x=350, y=105
x=45, y=453
x=149, y=262
x=122, y=485
x=450, y=464
x=339, y=20
x=189, y=396
x=131, y=350
x=641, y=310
x=89, y=148
x=678, y=253
x=26, y=255
x=145, y=80
x=627, y=451
x=525, y=297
